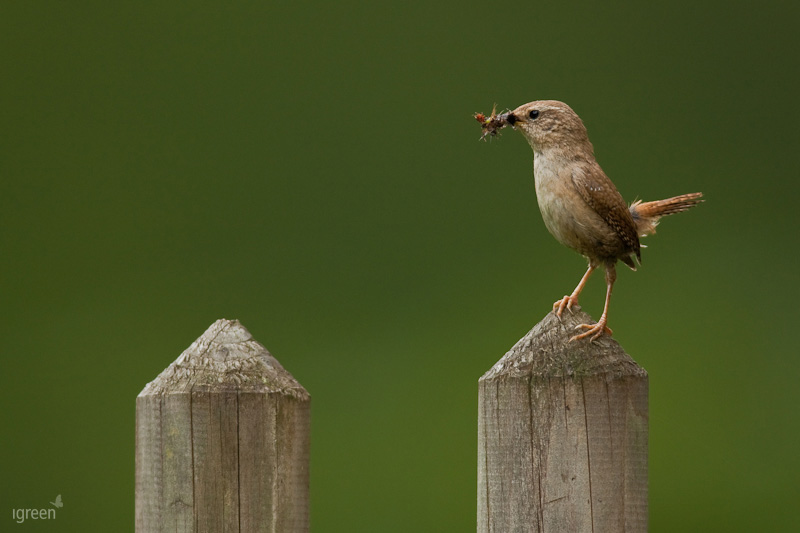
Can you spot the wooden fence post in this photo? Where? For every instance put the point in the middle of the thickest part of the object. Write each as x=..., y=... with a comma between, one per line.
x=222, y=441
x=562, y=435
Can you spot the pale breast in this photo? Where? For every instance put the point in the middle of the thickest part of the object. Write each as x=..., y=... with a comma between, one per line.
x=566, y=215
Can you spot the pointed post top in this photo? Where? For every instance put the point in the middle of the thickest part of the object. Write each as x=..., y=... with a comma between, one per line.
x=226, y=357
x=546, y=351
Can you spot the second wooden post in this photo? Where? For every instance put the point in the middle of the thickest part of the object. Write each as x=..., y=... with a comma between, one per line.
x=222, y=441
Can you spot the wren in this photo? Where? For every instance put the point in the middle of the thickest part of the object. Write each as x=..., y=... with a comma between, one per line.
x=580, y=205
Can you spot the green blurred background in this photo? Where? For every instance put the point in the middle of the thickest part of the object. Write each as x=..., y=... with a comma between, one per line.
x=314, y=171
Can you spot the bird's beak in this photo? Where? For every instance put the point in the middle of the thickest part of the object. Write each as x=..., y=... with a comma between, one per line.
x=509, y=118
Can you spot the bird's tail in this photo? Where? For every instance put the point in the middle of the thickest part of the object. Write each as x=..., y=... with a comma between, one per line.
x=647, y=214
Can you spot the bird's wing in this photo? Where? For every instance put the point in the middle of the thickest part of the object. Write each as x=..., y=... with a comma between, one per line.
x=600, y=194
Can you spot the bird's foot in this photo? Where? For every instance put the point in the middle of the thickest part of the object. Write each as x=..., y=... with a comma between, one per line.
x=595, y=330
x=564, y=303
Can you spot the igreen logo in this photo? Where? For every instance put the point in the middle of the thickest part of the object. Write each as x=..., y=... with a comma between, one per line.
x=20, y=515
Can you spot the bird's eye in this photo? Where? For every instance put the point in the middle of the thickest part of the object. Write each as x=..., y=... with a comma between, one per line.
x=533, y=113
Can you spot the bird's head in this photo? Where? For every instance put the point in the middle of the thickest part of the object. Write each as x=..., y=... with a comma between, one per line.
x=549, y=123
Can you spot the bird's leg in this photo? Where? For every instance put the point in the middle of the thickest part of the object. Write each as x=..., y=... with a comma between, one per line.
x=596, y=330
x=568, y=301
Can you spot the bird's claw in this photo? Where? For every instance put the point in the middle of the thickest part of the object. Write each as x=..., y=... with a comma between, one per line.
x=595, y=330
x=564, y=303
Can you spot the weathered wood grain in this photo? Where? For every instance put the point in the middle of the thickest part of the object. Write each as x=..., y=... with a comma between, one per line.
x=562, y=435
x=222, y=441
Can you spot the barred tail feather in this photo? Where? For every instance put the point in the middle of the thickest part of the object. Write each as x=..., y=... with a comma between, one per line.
x=647, y=214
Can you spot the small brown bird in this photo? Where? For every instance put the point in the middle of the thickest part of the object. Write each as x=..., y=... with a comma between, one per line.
x=580, y=205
